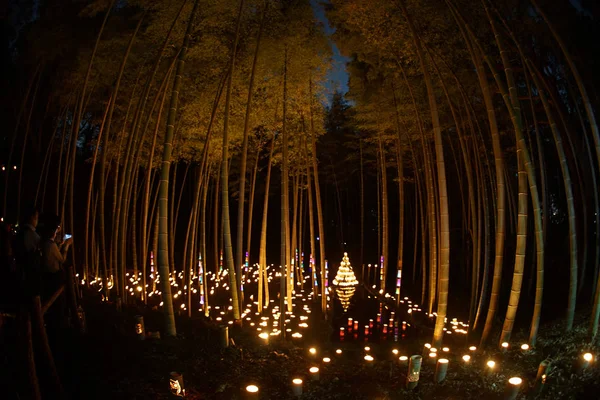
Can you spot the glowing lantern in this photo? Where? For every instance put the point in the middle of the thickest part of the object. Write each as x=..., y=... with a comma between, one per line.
x=176, y=384
x=345, y=282
x=139, y=327
x=314, y=373
x=441, y=369
x=414, y=371
x=297, y=387
x=512, y=388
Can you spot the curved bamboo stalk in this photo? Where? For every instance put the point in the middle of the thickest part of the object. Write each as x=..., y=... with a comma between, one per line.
x=163, y=259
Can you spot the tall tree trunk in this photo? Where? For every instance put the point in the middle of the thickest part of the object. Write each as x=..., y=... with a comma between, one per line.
x=228, y=250
x=163, y=256
x=318, y=200
x=263, y=283
x=444, y=271
x=244, y=155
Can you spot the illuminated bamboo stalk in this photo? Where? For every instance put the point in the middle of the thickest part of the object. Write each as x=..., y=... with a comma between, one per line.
x=244, y=155
x=444, y=271
x=284, y=242
x=318, y=201
x=163, y=259
x=263, y=284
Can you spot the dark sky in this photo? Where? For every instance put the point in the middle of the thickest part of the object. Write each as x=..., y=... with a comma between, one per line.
x=337, y=76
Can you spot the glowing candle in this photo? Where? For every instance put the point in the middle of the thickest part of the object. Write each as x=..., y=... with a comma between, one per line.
x=472, y=348
x=338, y=351
x=176, y=384
x=312, y=351
x=403, y=360
x=587, y=359
x=512, y=388
x=265, y=337
x=414, y=370
x=466, y=358
x=524, y=347
x=504, y=346
x=356, y=325
x=369, y=359
x=441, y=369
x=297, y=387
x=490, y=366
x=314, y=373
x=326, y=360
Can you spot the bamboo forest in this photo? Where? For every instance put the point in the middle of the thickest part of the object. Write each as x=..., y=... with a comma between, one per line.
x=316, y=199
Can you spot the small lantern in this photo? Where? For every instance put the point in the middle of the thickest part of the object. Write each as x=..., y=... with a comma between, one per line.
x=314, y=373
x=140, y=330
x=414, y=370
x=297, y=387
x=338, y=351
x=441, y=369
x=466, y=358
x=512, y=388
x=403, y=360
x=490, y=366
x=251, y=392
x=224, y=336
x=369, y=359
x=176, y=384
x=542, y=375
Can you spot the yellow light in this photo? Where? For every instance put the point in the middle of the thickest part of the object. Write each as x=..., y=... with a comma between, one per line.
x=445, y=349
x=395, y=352
x=369, y=358
x=525, y=347
x=443, y=361
x=491, y=364
x=466, y=358
x=252, y=389
x=433, y=350
x=326, y=359
x=312, y=350
x=427, y=345
x=515, y=381
x=297, y=381
x=432, y=355
x=313, y=370
x=403, y=358
x=472, y=348
x=504, y=345
x=264, y=336
x=367, y=348
x=338, y=351
x=588, y=357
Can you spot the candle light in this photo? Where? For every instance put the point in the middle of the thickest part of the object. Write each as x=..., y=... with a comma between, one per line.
x=466, y=358
x=403, y=360
x=542, y=374
x=265, y=337
x=367, y=348
x=356, y=325
x=491, y=365
x=338, y=351
x=297, y=387
x=472, y=348
x=350, y=323
x=414, y=370
x=445, y=349
x=314, y=373
x=512, y=388
x=176, y=384
x=326, y=360
x=504, y=346
x=587, y=359
x=342, y=332
x=369, y=359
x=441, y=369
x=524, y=347
x=312, y=351
x=395, y=352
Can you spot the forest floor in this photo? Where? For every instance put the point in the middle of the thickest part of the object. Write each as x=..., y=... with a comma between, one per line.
x=110, y=362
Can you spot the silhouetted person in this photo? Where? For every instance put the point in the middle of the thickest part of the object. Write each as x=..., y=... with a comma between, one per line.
x=53, y=273
x=27, y=254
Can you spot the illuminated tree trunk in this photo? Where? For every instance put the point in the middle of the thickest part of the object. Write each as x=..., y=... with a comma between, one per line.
x=318, y=200
x=311, y=220
x=244, y=155
x=384, y=213
x=263, y=283
x=228, y=250
x=285, y=242
x=163, y=256
x=444, y=270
